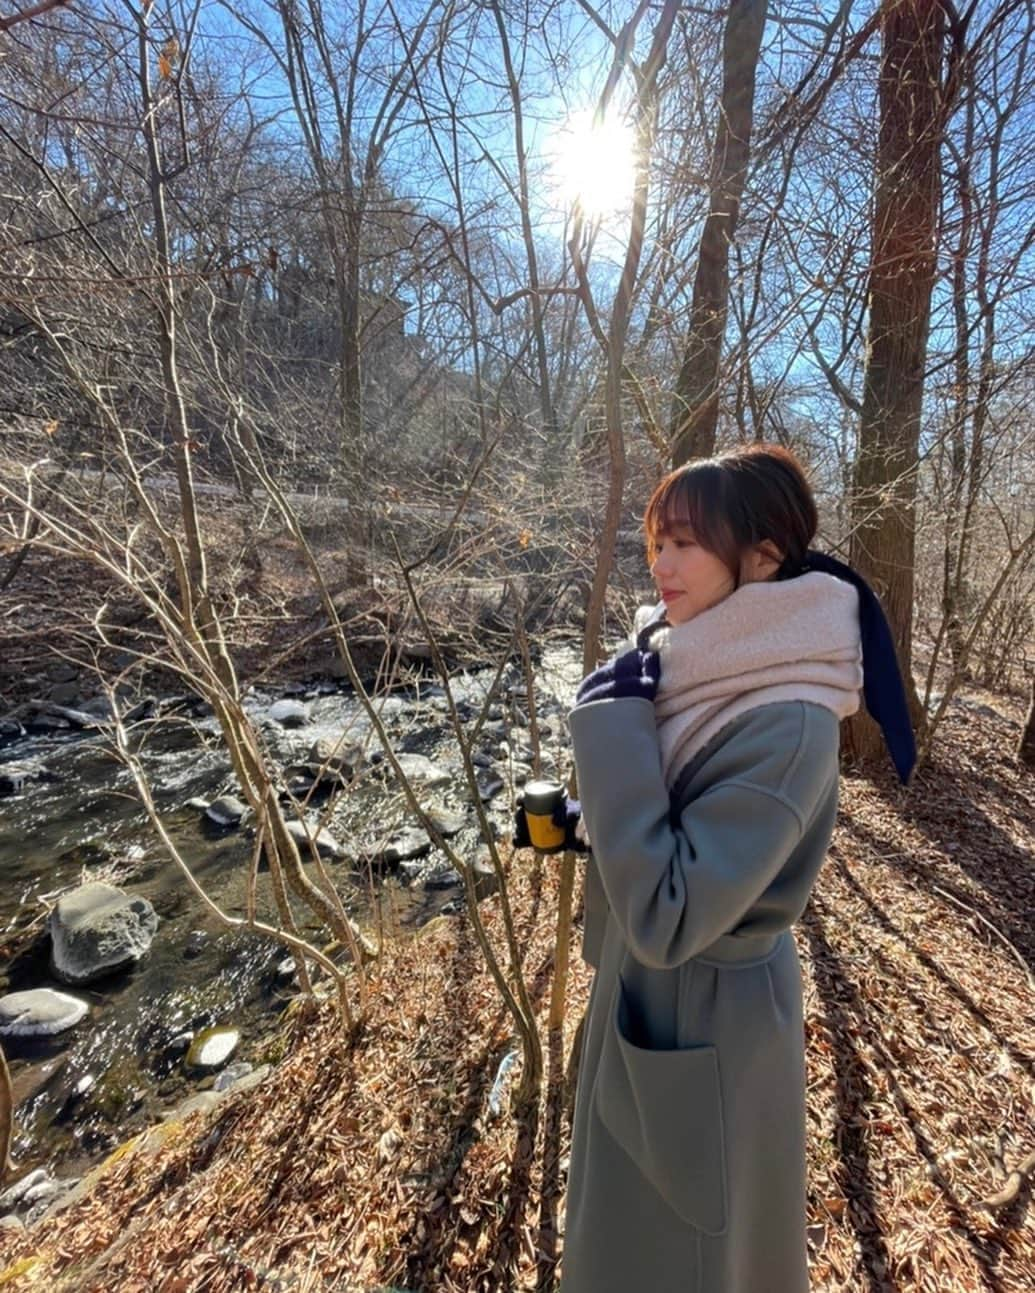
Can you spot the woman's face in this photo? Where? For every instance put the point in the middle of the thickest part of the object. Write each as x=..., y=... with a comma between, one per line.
x=690, y=579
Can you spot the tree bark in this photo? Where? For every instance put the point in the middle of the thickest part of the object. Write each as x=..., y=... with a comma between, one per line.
x=901, y=278
x=695, y=406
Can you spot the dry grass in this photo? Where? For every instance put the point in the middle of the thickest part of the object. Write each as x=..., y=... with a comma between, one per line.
x=379, y=1167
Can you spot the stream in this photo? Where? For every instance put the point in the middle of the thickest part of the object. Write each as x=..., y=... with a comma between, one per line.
x=69, y=813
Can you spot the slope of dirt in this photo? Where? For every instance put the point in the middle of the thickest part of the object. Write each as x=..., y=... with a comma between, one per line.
x=380, y=1166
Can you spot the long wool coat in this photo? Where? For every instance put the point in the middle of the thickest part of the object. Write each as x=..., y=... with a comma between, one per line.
x=687, y=1168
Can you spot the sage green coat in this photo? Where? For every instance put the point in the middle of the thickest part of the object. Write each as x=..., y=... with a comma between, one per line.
x=688, y=1153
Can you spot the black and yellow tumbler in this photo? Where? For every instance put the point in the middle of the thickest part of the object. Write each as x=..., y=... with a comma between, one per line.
x=543, y=802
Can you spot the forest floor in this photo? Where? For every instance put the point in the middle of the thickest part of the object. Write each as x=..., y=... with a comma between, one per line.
x=378, y=1167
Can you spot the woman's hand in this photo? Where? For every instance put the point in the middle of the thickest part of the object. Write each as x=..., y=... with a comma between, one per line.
x=632, y=675
x=567, y=814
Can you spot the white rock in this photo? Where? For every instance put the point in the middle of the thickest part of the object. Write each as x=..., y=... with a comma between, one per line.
x=39, y=1012
x=212, y=1048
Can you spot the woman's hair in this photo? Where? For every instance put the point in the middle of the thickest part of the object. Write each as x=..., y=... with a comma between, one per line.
x=735, y=501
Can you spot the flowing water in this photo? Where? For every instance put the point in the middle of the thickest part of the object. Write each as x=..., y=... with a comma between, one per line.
x=77, y=817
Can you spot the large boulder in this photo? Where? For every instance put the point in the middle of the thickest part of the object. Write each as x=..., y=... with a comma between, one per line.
x=97, y=929
x=39, y=1012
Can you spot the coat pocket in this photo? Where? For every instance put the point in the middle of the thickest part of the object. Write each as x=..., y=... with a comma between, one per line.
x=664, y=1108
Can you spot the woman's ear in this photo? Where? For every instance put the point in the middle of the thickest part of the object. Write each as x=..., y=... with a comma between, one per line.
x=762, y=562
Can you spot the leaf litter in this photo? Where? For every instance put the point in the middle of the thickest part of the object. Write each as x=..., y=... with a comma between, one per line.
x=377, y=1167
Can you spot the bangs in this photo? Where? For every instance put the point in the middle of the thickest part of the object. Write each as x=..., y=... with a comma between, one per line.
x=692, y=499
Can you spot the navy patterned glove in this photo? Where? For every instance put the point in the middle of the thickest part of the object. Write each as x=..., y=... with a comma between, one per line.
x=632, y=675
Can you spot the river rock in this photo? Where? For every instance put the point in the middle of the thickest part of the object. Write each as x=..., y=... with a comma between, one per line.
x=226, y=811
x=97, y=929
x=18, y=1193
x=326, y=845
x=77, y=717
x=423, y=771
x=39, y=1012
x=15, y=776
x=289, y=713
x=446, y=821
x=231, y=1074
x=332, y=755
x=489, y=784
x=411, y=842
x=443, y=877
x=212, y=1048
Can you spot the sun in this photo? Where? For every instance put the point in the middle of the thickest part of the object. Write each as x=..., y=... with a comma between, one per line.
x=595, y=163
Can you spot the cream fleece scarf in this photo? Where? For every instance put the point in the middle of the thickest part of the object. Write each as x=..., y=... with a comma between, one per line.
x=794, y=639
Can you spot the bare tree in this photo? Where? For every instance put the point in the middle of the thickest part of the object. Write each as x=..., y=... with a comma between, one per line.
x=695, y=407
x=902, y=269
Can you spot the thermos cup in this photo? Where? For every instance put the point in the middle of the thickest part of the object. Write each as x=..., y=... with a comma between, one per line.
x=541, y=800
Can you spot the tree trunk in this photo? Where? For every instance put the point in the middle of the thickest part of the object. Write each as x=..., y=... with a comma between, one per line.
x=695, y=406
x=1026, y=749
x=901, y=279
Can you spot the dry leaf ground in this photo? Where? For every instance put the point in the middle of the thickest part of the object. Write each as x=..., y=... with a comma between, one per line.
x=379, y=1167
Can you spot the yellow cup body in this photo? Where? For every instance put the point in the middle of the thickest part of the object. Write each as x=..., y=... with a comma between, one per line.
x=543, y=831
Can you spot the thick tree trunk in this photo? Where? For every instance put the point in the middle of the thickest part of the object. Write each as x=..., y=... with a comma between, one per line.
x=902, y=273
x=695, y=406
x=1026, y=749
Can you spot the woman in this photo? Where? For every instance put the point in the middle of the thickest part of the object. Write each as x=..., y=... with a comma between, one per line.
x=707, y=760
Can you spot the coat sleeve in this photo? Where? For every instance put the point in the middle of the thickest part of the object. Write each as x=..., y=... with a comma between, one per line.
x=675, y=889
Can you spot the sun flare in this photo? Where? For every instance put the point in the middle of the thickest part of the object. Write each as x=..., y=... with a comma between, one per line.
x=595, y=164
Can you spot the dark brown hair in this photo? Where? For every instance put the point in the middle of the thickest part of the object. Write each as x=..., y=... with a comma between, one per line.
x=735, y=501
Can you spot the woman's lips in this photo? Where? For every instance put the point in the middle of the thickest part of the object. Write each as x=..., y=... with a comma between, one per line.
x=670, y=594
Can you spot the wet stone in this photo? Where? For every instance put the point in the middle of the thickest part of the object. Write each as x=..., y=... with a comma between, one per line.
x=446, y=821
x=212, y=1048
x=289, y=713
x=97, y=929
x=326, y=845
x=445, y=877
x=15, y=776
x=179, y=1045
x=489, y=785
x=231, y=1075
x=409, y=843
x=39, y=1012
x=329, y=754
x=422, y=771
x=226, y=811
